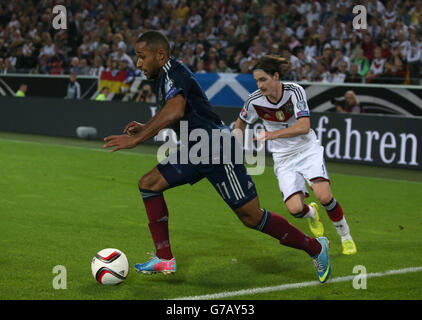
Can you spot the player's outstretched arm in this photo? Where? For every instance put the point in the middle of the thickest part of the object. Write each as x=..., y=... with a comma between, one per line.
x=173, y=111
x=239, y=128
x=133, y=128
x=302, y=126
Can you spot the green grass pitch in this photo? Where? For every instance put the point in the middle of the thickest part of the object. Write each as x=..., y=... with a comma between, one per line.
x=63, y=200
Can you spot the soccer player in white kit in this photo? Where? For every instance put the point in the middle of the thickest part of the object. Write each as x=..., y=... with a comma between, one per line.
x=297, y=154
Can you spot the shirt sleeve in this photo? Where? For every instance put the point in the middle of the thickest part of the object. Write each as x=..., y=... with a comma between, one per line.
x=175, y=84
x=300, y=104
x=248, y=113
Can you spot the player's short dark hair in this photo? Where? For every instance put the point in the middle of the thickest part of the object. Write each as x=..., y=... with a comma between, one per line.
x=155, y=40
x=271, y=64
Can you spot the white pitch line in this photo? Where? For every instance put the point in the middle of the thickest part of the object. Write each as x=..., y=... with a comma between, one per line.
x=298, y=285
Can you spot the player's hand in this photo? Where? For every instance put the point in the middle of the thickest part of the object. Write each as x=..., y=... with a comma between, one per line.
x=133, y=128
x=264, y=136
x=120, y=142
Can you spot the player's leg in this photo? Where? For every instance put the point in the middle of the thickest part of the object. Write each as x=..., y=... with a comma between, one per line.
x=322, y=191
x=237, y=189
x=151, y=186
x=312, y=167
x=297, y=207
x=293, y=187
x=278, y=227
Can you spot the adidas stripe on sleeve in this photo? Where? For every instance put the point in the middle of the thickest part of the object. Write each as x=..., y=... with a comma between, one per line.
x=248, y=113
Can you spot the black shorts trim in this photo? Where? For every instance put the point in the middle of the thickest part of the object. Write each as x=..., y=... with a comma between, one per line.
x=320, y=178
x=297, y=192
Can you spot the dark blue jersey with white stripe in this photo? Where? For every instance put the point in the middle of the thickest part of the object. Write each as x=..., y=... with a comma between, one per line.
x=175, y=79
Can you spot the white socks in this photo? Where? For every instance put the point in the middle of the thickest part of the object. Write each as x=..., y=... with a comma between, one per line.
x=343, y=229
x=311, y=213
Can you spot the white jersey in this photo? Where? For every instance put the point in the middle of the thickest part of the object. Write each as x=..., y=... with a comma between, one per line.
x=283, y=114
x=377, y=66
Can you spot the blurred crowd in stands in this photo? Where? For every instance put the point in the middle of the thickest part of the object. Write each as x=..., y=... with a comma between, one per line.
x=218, y=36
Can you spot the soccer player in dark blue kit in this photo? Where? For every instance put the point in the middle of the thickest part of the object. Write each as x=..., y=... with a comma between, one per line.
x=180, y=98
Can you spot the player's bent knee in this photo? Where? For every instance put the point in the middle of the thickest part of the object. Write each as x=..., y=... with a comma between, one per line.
x=145, y=182
x=151, y=181
x=324, y=199
x=250, y=213
x=322, y=191
x=248, y=218
x=298, y=213
x=296, y=210
x=249, y=221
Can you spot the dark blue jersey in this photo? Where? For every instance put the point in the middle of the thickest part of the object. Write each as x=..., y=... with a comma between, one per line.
x=229, y=178
x=175, y=79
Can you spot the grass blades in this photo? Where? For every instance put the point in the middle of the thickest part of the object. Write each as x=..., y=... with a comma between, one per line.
x=63, y=200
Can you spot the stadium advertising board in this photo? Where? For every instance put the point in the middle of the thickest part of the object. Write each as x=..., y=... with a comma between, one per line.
x=46, y=86
x=381, y=140
x=393, y=141
x=231, y=90
x=367, y=139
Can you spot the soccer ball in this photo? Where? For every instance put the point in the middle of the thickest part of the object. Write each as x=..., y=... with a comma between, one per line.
x=110, y=266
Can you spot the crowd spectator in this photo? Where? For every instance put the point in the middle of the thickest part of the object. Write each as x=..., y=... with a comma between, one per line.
x=222, y=67
x=75, y=66
x=353, y=75
x=211, y=59
x=385, y=49
x=368, y=46
x=102, y=96
x=47, y=49
x=339, y=73
x=98, y=66
x=21, y=93
x=349, y=104
x=327, y=56
x=414, y=55
x=57, y=62
x=199, y=54
x=200, y=67
x=73, y=88
x=395, y=67
x=146, y=94
x=42, y=67
x=307, y=72
x=316, y=36
x=377, y=66
x=321, y=74
x=361, y=62
x=339, y=58
x=2, y=65
x=83, y=67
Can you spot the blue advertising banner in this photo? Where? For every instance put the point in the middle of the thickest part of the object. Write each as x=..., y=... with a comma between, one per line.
x=227, y=89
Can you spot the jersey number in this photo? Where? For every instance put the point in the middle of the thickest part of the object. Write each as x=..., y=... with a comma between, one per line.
x=223, y=190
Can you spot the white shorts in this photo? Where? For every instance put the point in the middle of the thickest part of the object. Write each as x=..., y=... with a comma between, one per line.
x=292, y=172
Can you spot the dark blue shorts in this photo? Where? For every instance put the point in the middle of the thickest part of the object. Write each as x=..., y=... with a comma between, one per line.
x=229, y=178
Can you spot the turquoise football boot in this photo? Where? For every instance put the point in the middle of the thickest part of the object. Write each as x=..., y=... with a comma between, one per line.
x=157, y=265
x=322, y=261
